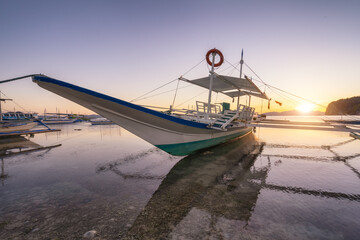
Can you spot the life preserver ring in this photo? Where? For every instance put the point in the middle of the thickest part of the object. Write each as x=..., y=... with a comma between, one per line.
x=216, y=51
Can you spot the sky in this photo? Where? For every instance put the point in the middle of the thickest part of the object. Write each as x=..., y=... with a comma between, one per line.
x=127, y=48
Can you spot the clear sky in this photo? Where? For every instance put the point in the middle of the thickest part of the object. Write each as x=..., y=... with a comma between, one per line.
x=127, y=48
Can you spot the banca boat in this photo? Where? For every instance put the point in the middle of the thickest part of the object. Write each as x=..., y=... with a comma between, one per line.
x=174, y=132
x=15, y=121
x=101, y=121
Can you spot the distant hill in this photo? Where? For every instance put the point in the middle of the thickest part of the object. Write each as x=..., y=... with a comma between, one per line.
x=350, y=106
x=93, y=116
x=294, y=113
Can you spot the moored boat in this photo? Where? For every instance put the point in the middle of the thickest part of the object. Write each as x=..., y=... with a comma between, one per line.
x=58, y=121
x=101, y=121
x=11, y=126
x=15, y=121
x=7, y=116
x=174, y=132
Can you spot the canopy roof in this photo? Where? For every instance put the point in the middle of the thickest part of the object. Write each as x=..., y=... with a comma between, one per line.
x=230, y=86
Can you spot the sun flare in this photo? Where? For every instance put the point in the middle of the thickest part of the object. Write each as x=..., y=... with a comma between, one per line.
x=305, y=108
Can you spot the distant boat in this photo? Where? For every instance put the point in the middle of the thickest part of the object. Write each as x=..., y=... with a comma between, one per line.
x=101, y=121
x=8, y=116
x=58, y=120
x=11, y=126
x=175, y=131
x=15, y=121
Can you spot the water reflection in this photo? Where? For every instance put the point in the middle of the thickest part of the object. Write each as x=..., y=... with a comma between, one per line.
x=317, y=193
x=220, y=183
x=330, y=148
x=301, y=186
x=121, y=166
x=13, y=146
x=214, y=193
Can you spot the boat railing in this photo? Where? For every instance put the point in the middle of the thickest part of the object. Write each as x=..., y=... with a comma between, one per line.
x=230, y=117
x=202, y=110
x=217, y=117
x=246, y=114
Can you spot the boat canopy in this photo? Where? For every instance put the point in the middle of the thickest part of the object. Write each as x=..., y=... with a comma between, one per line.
x=230, y=86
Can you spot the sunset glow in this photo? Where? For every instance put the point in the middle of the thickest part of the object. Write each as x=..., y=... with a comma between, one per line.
x=127, y=48
x=305, y=107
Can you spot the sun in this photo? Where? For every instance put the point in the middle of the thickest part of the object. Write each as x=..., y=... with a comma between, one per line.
x=305, y=107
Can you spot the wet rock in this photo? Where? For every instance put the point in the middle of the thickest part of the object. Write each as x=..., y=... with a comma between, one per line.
x=90, y=234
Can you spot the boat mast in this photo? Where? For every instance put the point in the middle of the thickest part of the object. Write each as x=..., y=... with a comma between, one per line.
x=241, y=64
x=211, y=84
x=0, y=108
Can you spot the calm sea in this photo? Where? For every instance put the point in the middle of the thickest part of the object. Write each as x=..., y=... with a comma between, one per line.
x=272, y=184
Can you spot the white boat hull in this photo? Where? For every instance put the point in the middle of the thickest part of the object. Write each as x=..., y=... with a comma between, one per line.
x=55, y=121
x=12, y=127
x=172, y=134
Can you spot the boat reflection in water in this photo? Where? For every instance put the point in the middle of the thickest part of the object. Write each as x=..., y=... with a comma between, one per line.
x=17, y=145
x=202, y=190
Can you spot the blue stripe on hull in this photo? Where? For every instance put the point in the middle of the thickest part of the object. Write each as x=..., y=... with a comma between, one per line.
x=41, y=78
x=182, y=149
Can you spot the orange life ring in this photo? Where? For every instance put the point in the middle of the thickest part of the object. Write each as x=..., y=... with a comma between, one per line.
x=216, y=51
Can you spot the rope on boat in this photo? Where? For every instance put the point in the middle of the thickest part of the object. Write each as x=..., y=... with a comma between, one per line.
x=191, y=98
x=230, y=65
x=14, y=102
x=278, y=89
x=192, y=68
x=135, y=99
x=177, y=86
x=161, y=93
x=269, y=86
x=15, y=79
x=141, y=97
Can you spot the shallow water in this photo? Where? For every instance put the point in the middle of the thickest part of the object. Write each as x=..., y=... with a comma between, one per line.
x=273, y=184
